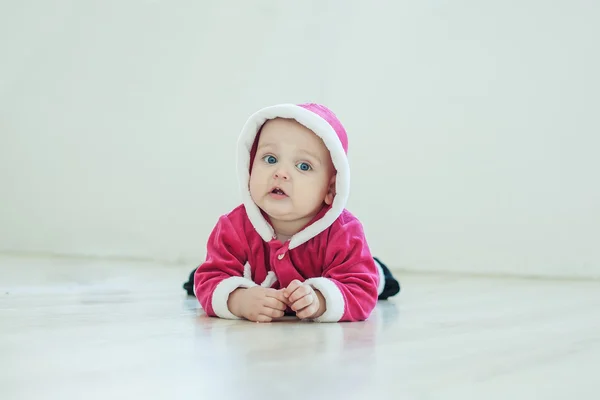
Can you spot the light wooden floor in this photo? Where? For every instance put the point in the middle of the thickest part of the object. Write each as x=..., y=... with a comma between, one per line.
x=72, y=329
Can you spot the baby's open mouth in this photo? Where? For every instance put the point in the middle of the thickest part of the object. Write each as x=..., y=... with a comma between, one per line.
x=278, y=191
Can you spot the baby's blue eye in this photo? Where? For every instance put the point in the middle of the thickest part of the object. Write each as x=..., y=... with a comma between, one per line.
x=270, y=159
x=303, y=166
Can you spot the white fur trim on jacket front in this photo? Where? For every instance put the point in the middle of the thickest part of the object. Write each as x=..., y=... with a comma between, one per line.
x=222, y=292
x=334, y=300
x=338, y=156
x=270, y=279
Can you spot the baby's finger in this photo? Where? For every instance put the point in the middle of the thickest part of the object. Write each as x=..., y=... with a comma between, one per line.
x=295, y=284
x=271, y=312
x=299, y=293
x=275, y=304
x=276, y=294
x=302, y=302
x=307, y=312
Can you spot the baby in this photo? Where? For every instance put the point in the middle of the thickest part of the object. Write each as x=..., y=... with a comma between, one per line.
x=291, y=247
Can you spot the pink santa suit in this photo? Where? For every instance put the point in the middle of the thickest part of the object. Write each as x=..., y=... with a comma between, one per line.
x=330, y=253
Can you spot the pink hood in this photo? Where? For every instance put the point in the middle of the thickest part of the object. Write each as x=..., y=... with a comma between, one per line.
x=324, y=124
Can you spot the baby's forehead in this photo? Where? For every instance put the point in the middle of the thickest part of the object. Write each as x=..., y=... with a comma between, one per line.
x=289, y=130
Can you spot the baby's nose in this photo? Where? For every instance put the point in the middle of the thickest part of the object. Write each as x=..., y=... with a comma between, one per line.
x=281, y=174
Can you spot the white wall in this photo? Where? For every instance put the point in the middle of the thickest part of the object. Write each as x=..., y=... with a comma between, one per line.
x=474, y=130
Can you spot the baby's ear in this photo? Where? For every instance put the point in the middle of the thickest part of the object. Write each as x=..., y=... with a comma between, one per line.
x=330, y=191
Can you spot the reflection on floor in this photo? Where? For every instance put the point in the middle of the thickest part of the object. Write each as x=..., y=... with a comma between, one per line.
x=98, y=330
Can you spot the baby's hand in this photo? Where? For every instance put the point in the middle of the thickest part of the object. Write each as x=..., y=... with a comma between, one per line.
x=304, y=300
x=257, y=304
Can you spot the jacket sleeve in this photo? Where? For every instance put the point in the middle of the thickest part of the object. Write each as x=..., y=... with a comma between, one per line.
x=224, y=270
x=350, y=279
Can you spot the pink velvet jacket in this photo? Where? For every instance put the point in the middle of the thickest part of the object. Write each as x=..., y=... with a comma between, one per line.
x=337, y=262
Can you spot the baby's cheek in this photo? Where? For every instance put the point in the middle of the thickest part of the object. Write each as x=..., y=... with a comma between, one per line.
x=254, y=187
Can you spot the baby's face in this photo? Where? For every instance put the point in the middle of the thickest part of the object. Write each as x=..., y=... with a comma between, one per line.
x=292, y=174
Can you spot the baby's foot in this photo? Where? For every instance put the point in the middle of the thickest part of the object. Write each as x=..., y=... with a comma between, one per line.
x=392, y=286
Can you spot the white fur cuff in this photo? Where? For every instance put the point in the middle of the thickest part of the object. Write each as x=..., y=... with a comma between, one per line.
x=334, y=299
x=222, y=292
